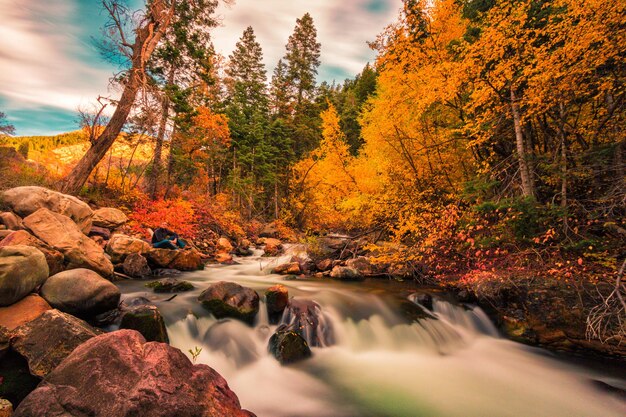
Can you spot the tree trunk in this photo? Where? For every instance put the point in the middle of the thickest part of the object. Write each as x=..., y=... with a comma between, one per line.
x=153, y=187
x=170, y=163
x=147, y=38
x=564, y=174
x=528, y=188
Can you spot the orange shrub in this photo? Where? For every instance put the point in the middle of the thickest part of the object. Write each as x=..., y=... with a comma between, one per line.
x=179, y=214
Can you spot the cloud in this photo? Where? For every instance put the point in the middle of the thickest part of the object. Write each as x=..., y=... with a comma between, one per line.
x=46, y=59
x=49, y=66
x=343, y=29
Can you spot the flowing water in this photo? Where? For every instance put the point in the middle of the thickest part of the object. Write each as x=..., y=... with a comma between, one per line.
x=371, y=361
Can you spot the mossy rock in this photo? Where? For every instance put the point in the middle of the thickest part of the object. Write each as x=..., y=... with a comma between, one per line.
x=221, y=309
x=288, y=347
x=228, y=299
x=170, y=285
x=147, y=320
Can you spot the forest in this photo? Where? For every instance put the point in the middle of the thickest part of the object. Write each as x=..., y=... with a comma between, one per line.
x=483, y=153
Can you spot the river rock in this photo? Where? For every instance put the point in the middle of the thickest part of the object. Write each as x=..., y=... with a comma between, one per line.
x=27, y=200
x=169, y=285
x=54, y=258
x=276, y=299
x=362, y=265
x=80, y=292
x=187, y=260
x=102, y=232
x=11, y=220
x=22, y=269
x=228, y=299
x=223, y=245
x=136, y=266
x=345, y=273
x=306, y=318
x=273, y=247
x=325, y=265
x=119, y=374
x=224, y=258
x=120, y=246
x=63, y=234
x=22, y=312
x=147, y=320
x=48, y=339
x=109, y=218
x=183, y=260
x=288, y=347
x=291, y=268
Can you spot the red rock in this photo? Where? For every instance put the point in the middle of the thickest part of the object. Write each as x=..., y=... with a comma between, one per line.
x=22, y=312
x=118, y=374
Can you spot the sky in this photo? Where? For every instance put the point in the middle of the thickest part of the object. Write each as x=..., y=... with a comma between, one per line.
x=49, y=65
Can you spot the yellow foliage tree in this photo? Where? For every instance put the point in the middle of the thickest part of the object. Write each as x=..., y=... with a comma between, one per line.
x=323, y=181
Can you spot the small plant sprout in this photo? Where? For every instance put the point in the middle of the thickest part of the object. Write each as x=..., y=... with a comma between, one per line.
x=195, y=352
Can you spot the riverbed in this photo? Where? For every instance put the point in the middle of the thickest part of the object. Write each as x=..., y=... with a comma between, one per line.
x=372, y=361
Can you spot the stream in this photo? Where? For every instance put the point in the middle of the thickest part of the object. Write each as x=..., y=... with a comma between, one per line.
x=374, y=362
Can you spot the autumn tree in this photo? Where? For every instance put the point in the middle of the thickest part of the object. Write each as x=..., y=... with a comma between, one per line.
x=150, y=28
x=324, y=179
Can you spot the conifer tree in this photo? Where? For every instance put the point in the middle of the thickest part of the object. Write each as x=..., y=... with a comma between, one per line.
x=303, y=59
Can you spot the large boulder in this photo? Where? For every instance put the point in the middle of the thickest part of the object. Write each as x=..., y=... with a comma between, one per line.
x=345, y=273
x=50, y=338
x=273, y=247
x=228, y=299
x=119, y=374
x=120, y=246
x=182, y=259
x=22, y=312
x=136, y=266
x=11, y=220
x=22, y=269
x=146, y=319
x=54, y=258
x=80, y=292
x=290, y=268
x=288, y=347
x=63, y=234
x=276, y=299
x=109, y=218
x=27, y=200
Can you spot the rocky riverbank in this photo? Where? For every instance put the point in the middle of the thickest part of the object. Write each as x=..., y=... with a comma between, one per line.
x=58, y=257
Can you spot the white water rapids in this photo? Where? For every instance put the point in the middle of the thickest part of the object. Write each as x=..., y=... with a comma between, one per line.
x=379, y=365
